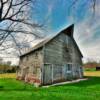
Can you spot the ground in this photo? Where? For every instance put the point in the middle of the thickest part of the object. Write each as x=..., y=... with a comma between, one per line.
x=11, y=89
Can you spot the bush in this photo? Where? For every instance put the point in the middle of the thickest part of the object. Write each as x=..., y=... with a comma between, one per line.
x=4, y=68
x=90, y=69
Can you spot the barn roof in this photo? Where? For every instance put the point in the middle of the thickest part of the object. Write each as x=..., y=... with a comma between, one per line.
x=69, y=31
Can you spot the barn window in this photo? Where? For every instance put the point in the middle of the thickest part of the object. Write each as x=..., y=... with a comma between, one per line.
x=68, y=40
x=81, y=69
x=69, y=44
x=69, y=67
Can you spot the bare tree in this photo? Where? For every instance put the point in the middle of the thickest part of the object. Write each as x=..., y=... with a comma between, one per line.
x=93, y=3
x=13, y=10
x=14, y=16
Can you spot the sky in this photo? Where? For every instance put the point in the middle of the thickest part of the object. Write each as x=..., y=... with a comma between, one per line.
x=59, y=14
x=56, y=15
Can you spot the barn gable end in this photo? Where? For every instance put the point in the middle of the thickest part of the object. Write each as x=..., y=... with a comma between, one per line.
x=60, y=55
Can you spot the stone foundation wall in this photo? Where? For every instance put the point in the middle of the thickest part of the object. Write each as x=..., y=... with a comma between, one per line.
x=30, y=79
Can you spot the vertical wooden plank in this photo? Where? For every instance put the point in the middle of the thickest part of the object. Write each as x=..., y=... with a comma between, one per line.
x=52, y=73
x=47, y=75
x=42, y=65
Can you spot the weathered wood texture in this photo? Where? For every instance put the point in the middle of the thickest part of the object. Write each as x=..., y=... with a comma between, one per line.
x=61, y=50
x=30, y=66
x=56, y=61
x=61, y=53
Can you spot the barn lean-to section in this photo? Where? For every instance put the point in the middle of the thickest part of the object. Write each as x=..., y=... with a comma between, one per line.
x=56, y=59
x=30, y=67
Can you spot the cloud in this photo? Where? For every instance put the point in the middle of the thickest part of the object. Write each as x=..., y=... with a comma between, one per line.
x=87, y=35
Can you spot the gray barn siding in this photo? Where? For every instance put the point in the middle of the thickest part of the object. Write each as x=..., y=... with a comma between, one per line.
x=56, y=49
x=53, y=51
x=56, y=55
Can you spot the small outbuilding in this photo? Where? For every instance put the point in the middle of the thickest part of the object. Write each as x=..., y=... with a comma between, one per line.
x=97, y=68
x=55, y=59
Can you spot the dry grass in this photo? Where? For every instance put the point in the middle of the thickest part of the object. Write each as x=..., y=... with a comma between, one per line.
x=92, y=73
x=86, y=73
x=8, y=75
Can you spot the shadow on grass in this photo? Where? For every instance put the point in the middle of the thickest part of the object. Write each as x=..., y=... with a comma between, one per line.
x=1, y=87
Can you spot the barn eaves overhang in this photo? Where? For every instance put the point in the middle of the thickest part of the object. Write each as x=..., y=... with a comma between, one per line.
x=68, y=31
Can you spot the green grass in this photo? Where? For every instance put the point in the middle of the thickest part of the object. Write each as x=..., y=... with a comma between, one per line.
x=89, y=69
x=10, y=89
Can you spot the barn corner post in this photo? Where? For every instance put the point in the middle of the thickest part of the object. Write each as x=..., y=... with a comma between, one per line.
x=42, y=66
x=42, y=75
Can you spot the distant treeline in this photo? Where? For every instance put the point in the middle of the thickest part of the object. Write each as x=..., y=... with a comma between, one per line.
x=6, y=68
x=91, y=65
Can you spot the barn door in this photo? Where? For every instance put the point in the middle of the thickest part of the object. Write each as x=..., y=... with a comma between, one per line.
x=69, y=75
x=25, y=72
x=77, y=71
x=47, y=74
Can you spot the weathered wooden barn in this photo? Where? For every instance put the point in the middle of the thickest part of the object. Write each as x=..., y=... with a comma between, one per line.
x=56, y=59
